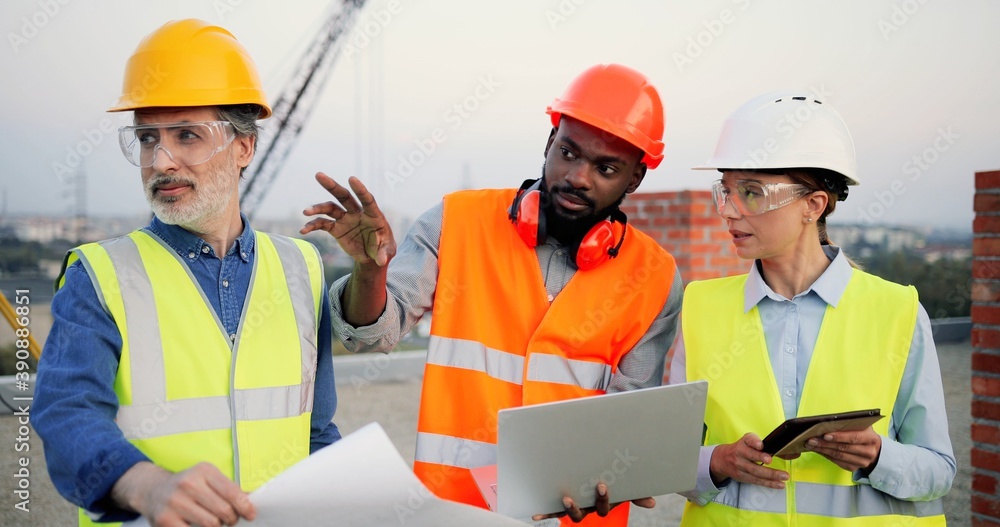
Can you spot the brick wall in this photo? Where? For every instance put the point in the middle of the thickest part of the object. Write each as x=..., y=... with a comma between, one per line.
x=986, y=351
x=686, y=224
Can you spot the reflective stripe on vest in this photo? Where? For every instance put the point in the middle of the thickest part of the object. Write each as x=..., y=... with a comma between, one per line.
x=497, y=342
x=508, y=367
x=474, y=356
x=833, y=501
x=211, y=413
x=187, y=393
x=447, y=450
x=555, y=369
x=148, y=377
x=872, y=325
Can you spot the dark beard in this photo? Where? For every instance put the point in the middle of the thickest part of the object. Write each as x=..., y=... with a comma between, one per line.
x=570, y=230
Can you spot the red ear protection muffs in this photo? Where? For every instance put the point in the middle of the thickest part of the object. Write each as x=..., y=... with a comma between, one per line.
x=598, y=245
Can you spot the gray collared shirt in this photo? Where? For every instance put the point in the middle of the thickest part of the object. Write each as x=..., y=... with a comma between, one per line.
x=917, y=462
x=412, y=283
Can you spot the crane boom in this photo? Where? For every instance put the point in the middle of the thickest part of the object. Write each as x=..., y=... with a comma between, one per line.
x=295, y=103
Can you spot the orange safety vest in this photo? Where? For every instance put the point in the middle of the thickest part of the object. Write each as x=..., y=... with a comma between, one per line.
x=498, y=342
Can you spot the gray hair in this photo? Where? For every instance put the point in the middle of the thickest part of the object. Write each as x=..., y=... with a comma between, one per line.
x=244, y=120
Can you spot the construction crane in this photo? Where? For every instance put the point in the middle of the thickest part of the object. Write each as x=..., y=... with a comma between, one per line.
x=295, y=103
x=289, y=115
x=15, y=322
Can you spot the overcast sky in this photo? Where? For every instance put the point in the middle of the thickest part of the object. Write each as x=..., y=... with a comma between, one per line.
x=913, y=79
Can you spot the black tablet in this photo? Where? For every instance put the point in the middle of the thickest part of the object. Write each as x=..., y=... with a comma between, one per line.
x=790, y=437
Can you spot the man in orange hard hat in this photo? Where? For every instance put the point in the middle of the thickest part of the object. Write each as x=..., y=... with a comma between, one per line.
x=533, y=291
x=189, y=361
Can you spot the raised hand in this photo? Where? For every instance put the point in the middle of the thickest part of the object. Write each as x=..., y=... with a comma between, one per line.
x=358, y=225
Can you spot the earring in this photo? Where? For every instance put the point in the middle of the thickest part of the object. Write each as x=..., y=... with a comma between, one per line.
x=809, y=220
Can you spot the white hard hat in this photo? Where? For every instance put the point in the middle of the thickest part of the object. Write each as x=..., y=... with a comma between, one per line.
x=785, y=129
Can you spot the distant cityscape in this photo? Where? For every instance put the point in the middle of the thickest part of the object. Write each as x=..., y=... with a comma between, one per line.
x=936, y=261
x=66, y=232
x=860, y=240
x=929, y=243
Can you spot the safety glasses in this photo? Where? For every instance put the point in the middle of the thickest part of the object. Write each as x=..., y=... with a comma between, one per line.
x=184, y=143
x=751, y=198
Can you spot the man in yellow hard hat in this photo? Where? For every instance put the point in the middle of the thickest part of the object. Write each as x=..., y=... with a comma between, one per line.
x=538, y=294
x=189, y=361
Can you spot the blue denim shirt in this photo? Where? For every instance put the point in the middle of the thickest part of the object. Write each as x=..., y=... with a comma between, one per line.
x=75, y=404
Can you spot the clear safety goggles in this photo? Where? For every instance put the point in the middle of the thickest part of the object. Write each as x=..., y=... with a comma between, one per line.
x=184, y=143
x=751, y=198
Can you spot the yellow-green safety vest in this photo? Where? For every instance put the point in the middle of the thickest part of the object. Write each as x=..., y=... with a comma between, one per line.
x=857, y=363
x=187, y=391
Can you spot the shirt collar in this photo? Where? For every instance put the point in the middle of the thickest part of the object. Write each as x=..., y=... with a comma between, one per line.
x=191, y=247
x=830, y=285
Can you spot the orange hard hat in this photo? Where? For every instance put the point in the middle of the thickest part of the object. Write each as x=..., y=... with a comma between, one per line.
x=190, y=63
x=620, y=101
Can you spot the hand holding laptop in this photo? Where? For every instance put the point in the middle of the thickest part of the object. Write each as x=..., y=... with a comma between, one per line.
x=602, y=506
x=556, y=459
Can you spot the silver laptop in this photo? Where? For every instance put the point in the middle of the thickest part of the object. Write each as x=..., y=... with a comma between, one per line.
x=639, y=443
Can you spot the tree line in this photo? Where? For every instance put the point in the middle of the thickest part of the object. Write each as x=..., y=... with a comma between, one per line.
x=944, y=285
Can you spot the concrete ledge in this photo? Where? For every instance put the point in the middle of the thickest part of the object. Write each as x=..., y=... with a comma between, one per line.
x=9, y=390
x=370, y=368
x=349, y=370
x=374, y=368
x=954, y=329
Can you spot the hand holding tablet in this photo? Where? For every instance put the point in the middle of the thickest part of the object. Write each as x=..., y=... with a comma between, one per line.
x=790, y=437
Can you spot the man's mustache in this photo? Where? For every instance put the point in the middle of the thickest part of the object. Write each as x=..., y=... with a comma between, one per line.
x=575, y=192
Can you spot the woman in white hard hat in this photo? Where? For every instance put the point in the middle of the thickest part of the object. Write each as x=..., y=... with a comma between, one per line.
x=806, y=333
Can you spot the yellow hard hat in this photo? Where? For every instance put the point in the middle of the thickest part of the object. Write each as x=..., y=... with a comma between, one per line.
x=190, y=63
